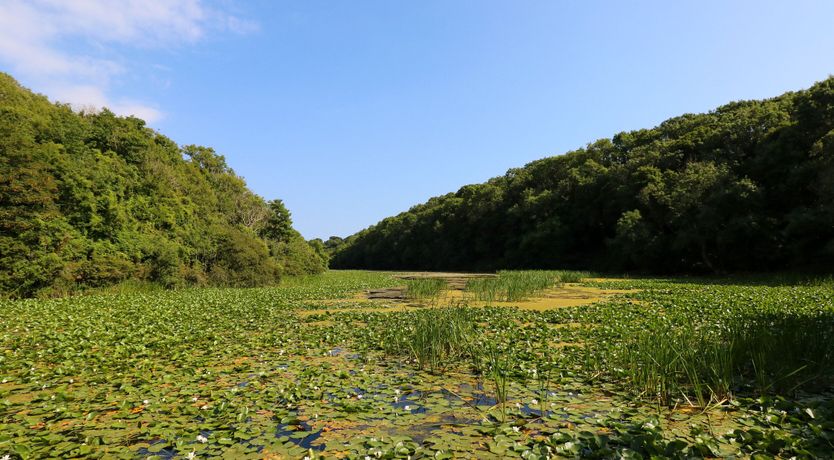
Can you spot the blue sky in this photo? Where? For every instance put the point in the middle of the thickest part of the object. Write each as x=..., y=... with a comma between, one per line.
x=352, y=111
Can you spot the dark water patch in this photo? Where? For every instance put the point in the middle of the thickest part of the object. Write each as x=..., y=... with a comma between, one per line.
x=533, y=411
x=409, y=406
x=336, y=351
x=410, y=402
x=482, y=399
x=293, y=435
x=449, y=396
x=164, y=454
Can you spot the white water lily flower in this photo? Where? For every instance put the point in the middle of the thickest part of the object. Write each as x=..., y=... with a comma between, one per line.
x=534, y=401
x=195, y=399
x=192, y=455
x=358, y=396
x=202, y=439
x=396, y=392
x=516, y=429
x=407, y=407
x=7, y=456
x=518, y=405
x=146, y=402
x=205, y=407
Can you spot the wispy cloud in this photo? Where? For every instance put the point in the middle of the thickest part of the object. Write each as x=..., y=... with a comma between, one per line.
x=35, y=34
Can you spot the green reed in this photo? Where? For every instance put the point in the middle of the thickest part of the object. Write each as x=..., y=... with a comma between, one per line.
x=511, y=286
x=706, y=363
x=435, y=338
x=425, y=288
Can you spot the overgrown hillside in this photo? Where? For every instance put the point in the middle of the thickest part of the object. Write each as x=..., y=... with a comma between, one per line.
x=95, y=199
x=749, y=186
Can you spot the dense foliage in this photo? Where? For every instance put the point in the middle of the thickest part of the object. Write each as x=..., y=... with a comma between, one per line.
x=309, y=369
x=94, y=199
x=748, y=186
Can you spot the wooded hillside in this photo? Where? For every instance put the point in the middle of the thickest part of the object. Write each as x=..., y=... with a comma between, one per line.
x=95, y=199
x=746, y=187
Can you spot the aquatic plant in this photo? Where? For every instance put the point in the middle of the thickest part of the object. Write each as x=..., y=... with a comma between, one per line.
x=771, y=340
x=510, y=286
x=435, y=337
x=427, y=289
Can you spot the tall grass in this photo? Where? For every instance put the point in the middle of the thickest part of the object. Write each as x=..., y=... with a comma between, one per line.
x=498, y=371
x=511, y=286
x=436, y=338
x=705, y=363
x=425, y=288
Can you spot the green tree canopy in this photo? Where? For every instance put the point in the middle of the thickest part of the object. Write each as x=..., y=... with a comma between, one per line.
x=93, y=199
x=747, y=186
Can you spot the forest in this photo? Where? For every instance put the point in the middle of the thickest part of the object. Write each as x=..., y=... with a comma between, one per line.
x=747, y=187
x=93, y=199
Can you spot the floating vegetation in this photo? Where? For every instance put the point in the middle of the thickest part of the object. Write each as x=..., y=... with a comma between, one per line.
x=681, y=369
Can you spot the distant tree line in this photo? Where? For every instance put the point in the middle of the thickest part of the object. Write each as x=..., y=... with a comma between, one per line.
x=94, y=199
x=746, y=187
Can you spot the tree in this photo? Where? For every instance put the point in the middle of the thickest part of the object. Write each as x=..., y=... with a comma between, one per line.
x=277, y=225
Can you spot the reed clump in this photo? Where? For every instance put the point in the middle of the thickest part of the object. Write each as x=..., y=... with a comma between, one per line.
x=435, y=338
x=702, y=363
x=429, y=289
x=518, y=285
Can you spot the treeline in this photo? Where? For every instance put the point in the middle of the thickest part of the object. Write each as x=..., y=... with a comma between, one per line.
x=94, y=199
x=746, y=187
